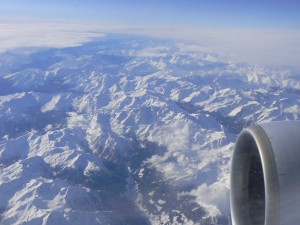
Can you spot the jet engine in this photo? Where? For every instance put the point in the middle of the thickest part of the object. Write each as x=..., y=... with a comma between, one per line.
x=265, y=175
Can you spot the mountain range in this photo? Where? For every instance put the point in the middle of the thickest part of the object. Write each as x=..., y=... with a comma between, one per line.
x=128, y=129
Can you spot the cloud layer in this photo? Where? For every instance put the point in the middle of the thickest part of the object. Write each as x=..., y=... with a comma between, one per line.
x=275, y=47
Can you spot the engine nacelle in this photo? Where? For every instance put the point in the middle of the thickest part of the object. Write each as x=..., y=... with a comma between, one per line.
x=265, y=175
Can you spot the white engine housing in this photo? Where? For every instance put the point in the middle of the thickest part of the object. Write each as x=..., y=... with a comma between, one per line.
x=265, y=175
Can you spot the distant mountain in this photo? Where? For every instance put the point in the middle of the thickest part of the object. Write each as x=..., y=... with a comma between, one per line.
x=127, y=130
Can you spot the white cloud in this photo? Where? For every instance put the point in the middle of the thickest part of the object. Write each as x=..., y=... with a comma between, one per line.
x=46, y=34
x=176, y=136
x=214, y=197
x=279, y=47
x=274, y=47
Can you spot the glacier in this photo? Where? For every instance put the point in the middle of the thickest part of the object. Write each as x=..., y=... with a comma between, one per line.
x=128, y=129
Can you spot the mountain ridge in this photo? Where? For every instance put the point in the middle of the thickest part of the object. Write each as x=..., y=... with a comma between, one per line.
x=128, y=130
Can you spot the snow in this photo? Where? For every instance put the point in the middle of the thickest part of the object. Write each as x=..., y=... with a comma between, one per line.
x=51, y=104
x=128, y=129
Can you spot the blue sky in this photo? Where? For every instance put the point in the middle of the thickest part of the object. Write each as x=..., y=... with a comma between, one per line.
x=228, y=13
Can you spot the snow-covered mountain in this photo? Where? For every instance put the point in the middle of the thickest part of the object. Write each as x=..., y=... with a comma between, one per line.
x=127, y=130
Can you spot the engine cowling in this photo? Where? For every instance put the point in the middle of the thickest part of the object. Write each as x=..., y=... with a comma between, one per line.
x=265, y=175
